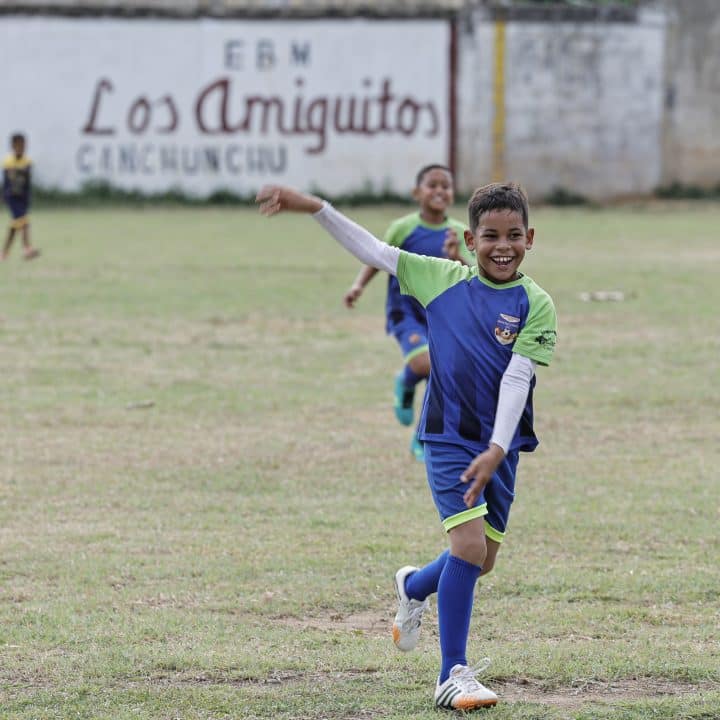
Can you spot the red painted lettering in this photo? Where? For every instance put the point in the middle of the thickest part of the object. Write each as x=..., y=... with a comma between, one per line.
x=90, y=127
x=139, y=116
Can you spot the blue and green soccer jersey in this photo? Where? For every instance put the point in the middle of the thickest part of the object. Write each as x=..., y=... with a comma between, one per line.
x=474, y=327
x=412, y=234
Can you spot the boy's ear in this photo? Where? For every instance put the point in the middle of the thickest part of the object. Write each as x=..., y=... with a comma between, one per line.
x=416, y=194
x=530, y=235
x=469, y=241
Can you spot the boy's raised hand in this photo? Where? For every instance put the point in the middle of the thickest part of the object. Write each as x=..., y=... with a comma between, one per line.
x=480, y=471
x=274, y=199
x=352, y=295
x=451, y=245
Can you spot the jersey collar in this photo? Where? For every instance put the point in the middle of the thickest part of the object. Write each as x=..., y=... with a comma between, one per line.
x=429, y=226
x=498, y=286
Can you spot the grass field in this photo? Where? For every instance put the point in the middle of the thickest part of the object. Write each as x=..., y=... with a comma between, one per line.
x=204, y=494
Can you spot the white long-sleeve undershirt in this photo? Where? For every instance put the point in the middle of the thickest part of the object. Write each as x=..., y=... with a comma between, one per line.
x=514, y=388
x=515, y=383
x=358, y=241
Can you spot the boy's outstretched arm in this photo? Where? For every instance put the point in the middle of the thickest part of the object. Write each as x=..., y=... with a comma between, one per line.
x=358, y=241
x=274, y=199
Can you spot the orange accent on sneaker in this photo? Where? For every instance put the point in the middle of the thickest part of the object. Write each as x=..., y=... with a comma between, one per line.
x=470, y=704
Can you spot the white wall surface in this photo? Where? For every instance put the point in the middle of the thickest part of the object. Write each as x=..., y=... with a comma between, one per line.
x=583, y=105
x=206, y=105
x=692, y=129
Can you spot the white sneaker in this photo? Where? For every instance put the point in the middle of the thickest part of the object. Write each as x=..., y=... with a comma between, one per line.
x=462, y=691
x=406, y=626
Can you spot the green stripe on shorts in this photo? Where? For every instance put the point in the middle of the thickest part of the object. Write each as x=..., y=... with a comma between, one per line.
x=494, y=534
x=465, y=516
x=416, y=351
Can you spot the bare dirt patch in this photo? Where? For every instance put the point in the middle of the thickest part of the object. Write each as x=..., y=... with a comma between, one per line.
x=583, y=691
x=372, y=622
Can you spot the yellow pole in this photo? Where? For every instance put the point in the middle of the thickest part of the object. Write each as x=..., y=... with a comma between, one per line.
x=498, y=129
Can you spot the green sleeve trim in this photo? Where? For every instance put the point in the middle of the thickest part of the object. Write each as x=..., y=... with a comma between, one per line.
x=494, y=534
x=426, y=277
x=399, y=229
x=464, y=516
x=416, y=351
x=537, y=338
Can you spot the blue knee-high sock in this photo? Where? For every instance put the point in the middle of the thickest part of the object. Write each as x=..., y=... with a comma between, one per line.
x=455, y=601
x=410, y=379
x=424, y=582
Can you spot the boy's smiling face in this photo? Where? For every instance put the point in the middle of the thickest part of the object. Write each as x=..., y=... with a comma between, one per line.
x=499, y=243
x=435, y=192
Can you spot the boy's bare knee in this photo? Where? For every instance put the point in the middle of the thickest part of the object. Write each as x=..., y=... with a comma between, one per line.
x=473, y=553
x=420, y=364
x=467, y=542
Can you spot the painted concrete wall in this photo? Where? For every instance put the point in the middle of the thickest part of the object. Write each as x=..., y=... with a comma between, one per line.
x=204, y=105
x=608, y=105
x=575, y=105
x=691, y=138
x=602, y=108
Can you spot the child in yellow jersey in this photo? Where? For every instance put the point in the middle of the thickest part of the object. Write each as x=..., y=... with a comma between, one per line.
x=16, y=193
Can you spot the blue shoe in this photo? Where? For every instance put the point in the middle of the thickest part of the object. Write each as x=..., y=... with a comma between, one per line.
x=404, y=397
x=417, y=450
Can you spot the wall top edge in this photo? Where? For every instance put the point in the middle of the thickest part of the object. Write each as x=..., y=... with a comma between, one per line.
x=233, y=8
x=559, y=12
x=312, y=9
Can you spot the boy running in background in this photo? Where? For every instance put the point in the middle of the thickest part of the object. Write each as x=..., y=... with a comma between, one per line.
x=16, y=193
x=427, y=231
x=489, y=326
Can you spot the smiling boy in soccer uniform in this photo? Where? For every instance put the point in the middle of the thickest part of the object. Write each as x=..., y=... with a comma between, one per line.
x=490, y=326
x=16, y=193
x=428, y=231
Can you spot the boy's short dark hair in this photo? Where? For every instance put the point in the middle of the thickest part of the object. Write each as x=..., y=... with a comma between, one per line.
x=497, y=196
x=17, y=137
x=427, y=168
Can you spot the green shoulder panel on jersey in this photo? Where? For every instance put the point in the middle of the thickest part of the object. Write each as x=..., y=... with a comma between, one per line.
x=426, y=277
x=537, y=339
x=399, y=229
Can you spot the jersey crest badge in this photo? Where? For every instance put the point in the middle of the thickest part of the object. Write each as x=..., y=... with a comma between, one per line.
x=506, y=329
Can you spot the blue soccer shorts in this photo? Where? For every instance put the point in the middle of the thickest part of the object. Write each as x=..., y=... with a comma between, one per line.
x=18, y=211
x=445, y=463
x=411, y=335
